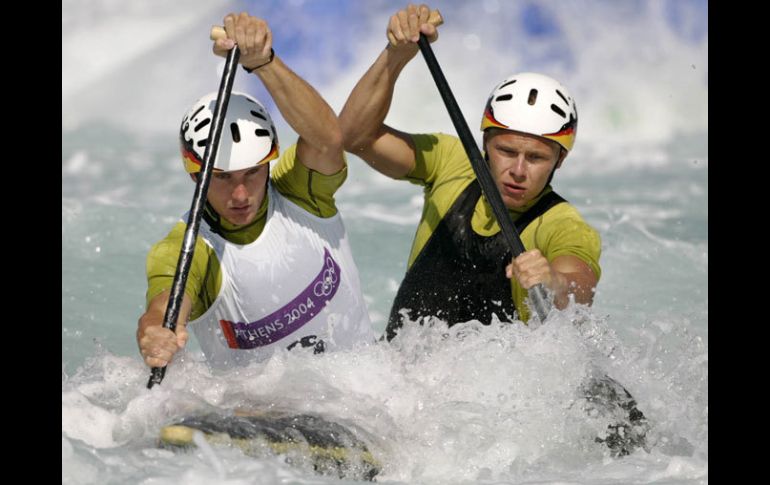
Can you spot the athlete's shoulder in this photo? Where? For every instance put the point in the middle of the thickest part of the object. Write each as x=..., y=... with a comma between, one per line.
x=431, y=140
x=285, y=162
x=439, y=157
x=308, y=189
x=438, y=145
x=174, y=237
x=564, y=212
x=170, y=246
x=563, y=227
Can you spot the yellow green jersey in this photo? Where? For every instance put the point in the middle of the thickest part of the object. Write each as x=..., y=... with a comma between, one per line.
x=443, y=170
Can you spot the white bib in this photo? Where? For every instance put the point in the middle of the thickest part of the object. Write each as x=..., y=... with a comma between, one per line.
x=296, y=284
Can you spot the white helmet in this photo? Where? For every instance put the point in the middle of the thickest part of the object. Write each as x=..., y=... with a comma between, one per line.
x=248, y=134
x=535, y=104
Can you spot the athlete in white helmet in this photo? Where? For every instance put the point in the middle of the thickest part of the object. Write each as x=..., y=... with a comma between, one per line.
x=272, y=267
x=460, y=267
x=529, y=124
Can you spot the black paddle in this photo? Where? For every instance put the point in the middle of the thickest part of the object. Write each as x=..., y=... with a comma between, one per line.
x=537, y=293
x=198, y=202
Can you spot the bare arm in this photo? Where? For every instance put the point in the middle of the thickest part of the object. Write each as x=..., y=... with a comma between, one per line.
x=320, y=140
x=573, y=276
x=564, y=275
x=157, y=344
x=364, y=132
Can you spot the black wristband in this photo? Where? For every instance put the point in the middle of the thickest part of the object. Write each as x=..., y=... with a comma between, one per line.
x=272, y=54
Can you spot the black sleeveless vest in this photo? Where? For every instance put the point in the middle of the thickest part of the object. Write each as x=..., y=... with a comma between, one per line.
x=460, y=275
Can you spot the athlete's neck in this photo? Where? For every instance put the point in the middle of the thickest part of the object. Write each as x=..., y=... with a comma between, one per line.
x=246, y=233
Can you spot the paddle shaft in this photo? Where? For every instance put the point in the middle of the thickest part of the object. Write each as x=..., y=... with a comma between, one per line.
x=537, y=293
x=198, y=203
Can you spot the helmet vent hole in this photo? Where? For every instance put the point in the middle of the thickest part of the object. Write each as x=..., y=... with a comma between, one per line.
x=562, y=97
x=558, y=111
x=196, y=112
x=202, y=143
x=506, y=84
x=202, y=124
x=504, y=97
x=258, y=115
x=532, y=97
x=261, y=132
x=235, y=132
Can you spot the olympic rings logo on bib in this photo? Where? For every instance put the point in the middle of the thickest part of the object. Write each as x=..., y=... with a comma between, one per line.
x=326, y=285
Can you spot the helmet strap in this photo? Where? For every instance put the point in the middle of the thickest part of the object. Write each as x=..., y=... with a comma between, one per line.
x=209, y=214
x=559, y=160
x=212, y=219
x=550, y=177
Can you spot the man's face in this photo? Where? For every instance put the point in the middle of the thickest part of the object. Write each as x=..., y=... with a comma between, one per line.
x=520, y=164
x=237, y=195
